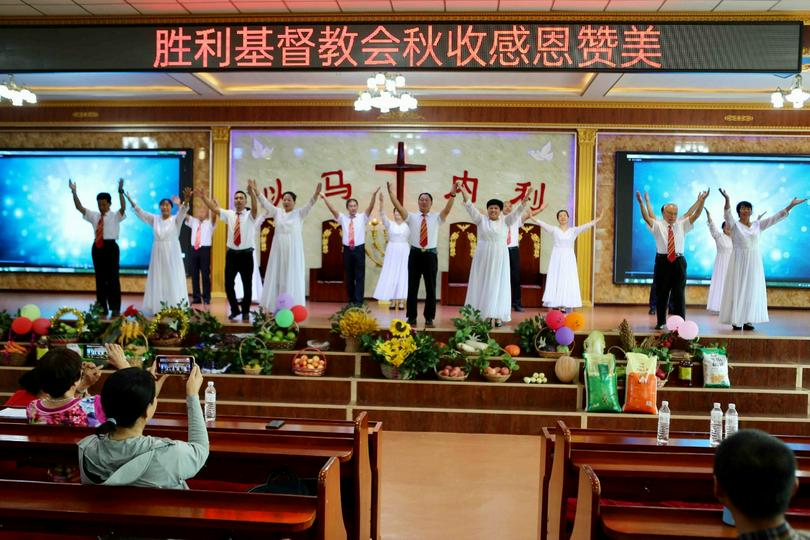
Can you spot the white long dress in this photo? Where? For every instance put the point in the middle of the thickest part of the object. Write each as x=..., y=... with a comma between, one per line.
x=286, y=268
x=745, y=299
x=256, y=293
x=166, y=277
x=489, y=289
x=393, y=281
x=562, y=279
x=723, y=242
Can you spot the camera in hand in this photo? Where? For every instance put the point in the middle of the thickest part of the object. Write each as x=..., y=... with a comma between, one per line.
x=96, y=353
x=174, y=364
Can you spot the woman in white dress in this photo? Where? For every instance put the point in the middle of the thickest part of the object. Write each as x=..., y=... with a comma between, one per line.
x=562, y=279
x=392, y=284
x=166, y=277
x=745, y=300
x=489, y=289
x=286, y=268
x=722, y=238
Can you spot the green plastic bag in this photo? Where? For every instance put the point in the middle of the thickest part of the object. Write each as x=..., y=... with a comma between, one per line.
x=600, y=383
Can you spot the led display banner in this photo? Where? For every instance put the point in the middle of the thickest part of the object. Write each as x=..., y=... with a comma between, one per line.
x=515, y=46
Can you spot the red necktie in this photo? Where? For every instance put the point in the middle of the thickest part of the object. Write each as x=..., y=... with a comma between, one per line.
x=100, y=232
x=351, y=232
x=670, y=245
x=508, y=235
x=237, y=231
x=423, y=232
x=198, y=237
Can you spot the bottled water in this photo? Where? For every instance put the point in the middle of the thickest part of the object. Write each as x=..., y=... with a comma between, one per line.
x=663, y=424
x=210, y=402
x=732, y=420
x=716, y=426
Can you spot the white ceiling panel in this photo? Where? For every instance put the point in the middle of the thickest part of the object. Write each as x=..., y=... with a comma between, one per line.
x=417, y=5
x=525, y=5
x=792, y=5
x=471, y=5
x=579, y=5
x=52, y=2
x=211, y=7
x=111, y=9
x=11, y=3
x=60, y=9
x=634, y=5
x=17, y=10
x=312, y=6
x=260, y=7
x=378, y=6
x=746, y=5
x=160, y=9
x=689, y=5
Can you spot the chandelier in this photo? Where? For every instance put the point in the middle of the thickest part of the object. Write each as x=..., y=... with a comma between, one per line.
x=15, y=93
x=796, y=95
x=385, y=92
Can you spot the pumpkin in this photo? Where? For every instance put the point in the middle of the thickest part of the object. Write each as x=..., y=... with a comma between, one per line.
x=566, y=369
x=512, y=350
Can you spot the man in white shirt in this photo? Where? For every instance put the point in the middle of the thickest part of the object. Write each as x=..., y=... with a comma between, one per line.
x=239, y=256
x=353, y=229
x=670, y=264
x=105, y=252
x=423, y=260
x=199, y=260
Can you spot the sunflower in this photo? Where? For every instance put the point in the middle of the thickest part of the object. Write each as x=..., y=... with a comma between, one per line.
x=400, y=328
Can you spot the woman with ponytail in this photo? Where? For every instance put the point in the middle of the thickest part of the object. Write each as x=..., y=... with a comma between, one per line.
x=119, y=454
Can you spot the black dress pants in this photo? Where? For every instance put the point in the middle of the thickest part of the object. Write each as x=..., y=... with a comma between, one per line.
x=239, y=262
x=670, y=283
x=354, y=269
x=514, y=275
x=200, y=264
x=108, y=284
x=422, y=263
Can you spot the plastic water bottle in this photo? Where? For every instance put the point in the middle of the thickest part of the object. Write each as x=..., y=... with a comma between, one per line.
x=732, y=420
x=210, y=402
x=663, y=424
x=716, y=426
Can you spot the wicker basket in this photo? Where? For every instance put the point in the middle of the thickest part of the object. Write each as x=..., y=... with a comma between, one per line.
x=283, y=345
x=138, y=352
x=15, y=358
x=250, y=370
x=453, y=362
x=175, y=313
x=496, y=378
x=61, y=339
x=306, y=372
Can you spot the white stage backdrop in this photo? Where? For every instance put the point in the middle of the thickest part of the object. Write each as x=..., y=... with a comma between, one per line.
x=496, y=164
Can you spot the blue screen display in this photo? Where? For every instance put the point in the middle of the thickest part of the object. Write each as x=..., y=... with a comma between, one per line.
x=768, y=182
x=42, y=230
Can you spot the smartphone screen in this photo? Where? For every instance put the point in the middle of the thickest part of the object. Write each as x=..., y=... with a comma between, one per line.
x=174, y=364
x=96, y=353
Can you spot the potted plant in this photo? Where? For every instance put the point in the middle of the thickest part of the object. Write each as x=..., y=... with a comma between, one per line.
x=352, y=323
x=402, y=353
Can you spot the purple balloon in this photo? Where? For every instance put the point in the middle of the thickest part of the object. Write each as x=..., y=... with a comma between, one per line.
x=284, y=301
x=564, y=336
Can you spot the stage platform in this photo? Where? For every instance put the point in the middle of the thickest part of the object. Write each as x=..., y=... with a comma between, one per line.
x=770, y=376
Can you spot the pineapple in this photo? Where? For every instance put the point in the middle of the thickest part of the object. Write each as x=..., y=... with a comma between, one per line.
x=627, y=339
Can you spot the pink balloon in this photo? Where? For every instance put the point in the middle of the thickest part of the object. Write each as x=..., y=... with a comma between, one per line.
x=673, y=322
x=555, y=319
x=688, y=330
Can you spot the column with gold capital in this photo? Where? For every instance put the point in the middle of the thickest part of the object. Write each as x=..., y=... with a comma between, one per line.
x=586, y=182
x=220, y=158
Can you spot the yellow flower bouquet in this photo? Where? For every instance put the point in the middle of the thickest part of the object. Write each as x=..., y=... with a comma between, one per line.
x=403, y=353
x=352, y=323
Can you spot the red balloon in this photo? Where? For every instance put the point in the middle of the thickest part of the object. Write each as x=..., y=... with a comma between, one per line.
x=300, y=313
x=41, y=326
x=555, y=319
x=21, y=325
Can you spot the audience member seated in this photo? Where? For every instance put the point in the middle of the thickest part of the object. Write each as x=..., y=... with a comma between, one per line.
x=28, y=392
x=119, y=454
x=64, y=381
x=755, y=477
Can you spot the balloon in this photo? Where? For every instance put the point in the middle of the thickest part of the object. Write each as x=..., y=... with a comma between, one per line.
x=300, y=313
x=564, y=335
x=688, y=330
x=555, y=319
x=41, y=326
x=575, y=321
x=21, y=325
x=284, y=301
x=673, y=322
x=30, y=311
x=284, y=318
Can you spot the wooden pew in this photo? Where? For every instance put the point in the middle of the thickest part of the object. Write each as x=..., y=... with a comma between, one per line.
x=104, y=510
x=256, y=453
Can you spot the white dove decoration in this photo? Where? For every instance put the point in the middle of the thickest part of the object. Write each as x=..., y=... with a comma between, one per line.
x=261, y=151
x=544, y=154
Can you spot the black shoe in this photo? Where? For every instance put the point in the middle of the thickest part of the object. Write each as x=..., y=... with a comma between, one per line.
x=497, y=323
x=735, y=327
x=519, y=309
x=412, y=322
x=393, y=305
x=652, y=311
x=748, y=326
x=245, y=318
x=659, y=326
x=429, y=323
x=207, y=302
x=234, y=315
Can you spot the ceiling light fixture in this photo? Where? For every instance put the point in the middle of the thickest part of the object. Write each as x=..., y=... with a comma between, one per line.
x=796, y=95
x=15, y=93
x=385, y=92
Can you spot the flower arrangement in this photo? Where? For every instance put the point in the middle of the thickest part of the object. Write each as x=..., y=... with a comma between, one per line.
x=354, y=322
x=169, y=326
x=411, y=353
x=125, y=328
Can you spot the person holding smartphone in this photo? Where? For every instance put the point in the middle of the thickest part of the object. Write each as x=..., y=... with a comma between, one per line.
x=119, y=454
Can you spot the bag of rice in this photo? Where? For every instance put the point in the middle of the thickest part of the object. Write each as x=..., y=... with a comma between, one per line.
x=600, y=383
x=641, y=389
x=715, y=367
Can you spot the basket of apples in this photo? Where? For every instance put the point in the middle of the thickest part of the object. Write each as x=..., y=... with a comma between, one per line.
x=309, y=362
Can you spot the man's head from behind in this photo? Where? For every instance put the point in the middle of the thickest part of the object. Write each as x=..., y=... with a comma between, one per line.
x=755, y=475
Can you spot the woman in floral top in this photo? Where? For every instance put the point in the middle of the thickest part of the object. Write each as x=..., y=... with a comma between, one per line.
x=63, y=377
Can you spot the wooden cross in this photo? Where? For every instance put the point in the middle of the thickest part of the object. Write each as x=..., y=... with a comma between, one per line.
x=400, y=167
